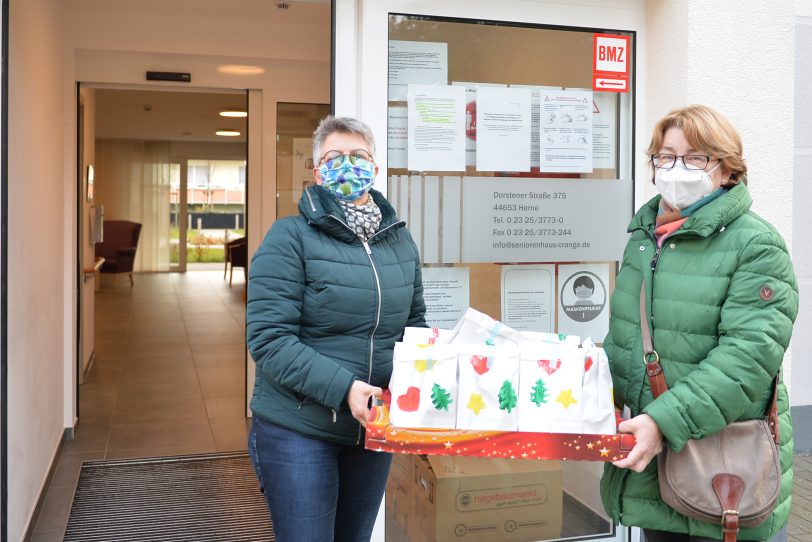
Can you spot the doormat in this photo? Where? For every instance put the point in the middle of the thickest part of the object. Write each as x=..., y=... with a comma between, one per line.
x=211, y=497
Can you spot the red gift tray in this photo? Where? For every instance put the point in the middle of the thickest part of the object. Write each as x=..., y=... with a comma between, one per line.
x=381, y=436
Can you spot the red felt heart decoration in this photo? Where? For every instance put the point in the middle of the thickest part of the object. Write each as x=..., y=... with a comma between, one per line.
x=548, y=367
x=480, y=364
x=588, y=363
x=409, y=401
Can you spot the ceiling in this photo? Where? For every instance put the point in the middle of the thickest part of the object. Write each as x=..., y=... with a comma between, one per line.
x=167, y=115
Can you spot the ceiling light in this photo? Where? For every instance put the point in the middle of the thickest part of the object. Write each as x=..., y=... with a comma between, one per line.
x=238, y=69
x=228, y=133
x=236, y=113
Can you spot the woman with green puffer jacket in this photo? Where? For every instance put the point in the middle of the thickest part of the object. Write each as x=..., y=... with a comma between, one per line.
x=330, y=292
x=723, y=299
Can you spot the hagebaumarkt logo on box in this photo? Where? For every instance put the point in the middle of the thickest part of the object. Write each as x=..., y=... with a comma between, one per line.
x=583, y=296
x=489, y=499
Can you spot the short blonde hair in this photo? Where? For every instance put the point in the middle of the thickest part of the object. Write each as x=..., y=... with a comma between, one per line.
x=707, y=131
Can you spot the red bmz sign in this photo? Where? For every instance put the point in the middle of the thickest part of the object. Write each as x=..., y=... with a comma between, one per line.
x=610, y=66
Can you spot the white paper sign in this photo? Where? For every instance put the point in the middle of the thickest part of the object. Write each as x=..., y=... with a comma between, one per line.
x=446, y=293
x=436, y=128
x=397, y=137
x=566, y=131
x=528, y=297
x=503, y=129
x=470, y=118
x=583, y=301
x=604, y=129
x=413, y=62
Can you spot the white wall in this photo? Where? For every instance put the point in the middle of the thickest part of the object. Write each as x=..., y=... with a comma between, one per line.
x=35, y=252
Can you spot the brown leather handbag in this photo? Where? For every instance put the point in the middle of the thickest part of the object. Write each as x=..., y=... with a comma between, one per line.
x=732, y=477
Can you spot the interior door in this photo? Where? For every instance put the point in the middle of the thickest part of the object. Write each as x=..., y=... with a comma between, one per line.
x=510, y=154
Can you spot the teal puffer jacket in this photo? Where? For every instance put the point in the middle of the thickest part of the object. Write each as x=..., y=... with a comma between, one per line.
x=325, y=309
x=722, y=299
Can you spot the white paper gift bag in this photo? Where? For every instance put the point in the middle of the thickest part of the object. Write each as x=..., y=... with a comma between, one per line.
x=488, y=388
x=423, y=387
x=557, y=338
x=550, y=397
x=478, y=328
x=598, y=400
x=426, y=335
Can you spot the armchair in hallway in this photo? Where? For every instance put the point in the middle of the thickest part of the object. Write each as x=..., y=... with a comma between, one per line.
x=119, y=246
x=236, y=254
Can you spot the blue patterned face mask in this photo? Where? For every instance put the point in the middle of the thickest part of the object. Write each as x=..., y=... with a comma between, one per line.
x=347, y=176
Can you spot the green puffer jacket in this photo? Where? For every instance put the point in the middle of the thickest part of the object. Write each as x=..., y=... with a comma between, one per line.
x=722, y=300
x=324, y=310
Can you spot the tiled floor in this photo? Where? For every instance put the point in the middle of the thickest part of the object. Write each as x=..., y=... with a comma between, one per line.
x=169, y=379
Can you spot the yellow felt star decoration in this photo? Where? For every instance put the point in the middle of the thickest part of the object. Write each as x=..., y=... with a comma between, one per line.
x=420, y=365
x=604, y=452
x=476, y=403
x=566, y=398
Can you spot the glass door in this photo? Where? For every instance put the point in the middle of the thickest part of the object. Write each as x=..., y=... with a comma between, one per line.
x=513, y=163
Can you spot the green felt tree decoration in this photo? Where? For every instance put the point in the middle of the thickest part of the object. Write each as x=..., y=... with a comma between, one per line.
x=440, y=398
x=539, y=393
x=507, y=397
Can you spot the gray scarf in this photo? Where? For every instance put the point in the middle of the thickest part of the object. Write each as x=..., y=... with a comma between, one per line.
x=363, y=219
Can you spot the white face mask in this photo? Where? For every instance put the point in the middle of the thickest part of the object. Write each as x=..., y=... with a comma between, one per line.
x=682, y=187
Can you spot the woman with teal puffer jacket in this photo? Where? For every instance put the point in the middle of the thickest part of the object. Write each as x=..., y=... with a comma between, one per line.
x=330, y=292
x=723, y=299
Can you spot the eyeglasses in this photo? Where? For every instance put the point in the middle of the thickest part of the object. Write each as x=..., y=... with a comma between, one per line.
x=338, y=157
x=690, y=161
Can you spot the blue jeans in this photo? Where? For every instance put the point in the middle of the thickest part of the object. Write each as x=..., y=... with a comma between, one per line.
x=316, y=490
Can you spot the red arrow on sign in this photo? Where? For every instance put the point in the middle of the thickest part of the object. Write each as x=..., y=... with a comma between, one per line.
x=610, y=84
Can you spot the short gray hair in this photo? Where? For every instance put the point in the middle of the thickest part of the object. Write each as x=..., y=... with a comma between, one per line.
x=345, y=125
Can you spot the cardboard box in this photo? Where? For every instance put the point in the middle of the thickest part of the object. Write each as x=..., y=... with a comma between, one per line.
x=467, y=499
x=399, y=499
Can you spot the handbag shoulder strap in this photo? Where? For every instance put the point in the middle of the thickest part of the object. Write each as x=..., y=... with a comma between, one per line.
x=654, y=369
x=650, y=356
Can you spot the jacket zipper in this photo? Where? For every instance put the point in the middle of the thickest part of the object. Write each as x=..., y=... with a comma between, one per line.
x=377, y=321
x=380, y=301
x=655, y=259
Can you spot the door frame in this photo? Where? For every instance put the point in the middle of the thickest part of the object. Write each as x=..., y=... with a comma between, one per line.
x=359, y=83
x=80, y=226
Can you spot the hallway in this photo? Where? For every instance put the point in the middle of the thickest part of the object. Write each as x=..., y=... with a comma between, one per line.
x=168, y=379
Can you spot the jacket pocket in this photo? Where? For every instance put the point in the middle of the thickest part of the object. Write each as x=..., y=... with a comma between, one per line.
x=612, y=483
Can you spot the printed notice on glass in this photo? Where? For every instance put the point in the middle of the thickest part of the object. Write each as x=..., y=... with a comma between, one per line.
x=302, y=165
x=604, y=129
x=446, y=293
x=416, y=62
x=436, y=128
x=470, y=118
x=396, y=137
x=528, y=294
x=583, y=307
x=535, y=120
x=503, y=129
x=566, y=131
x=505, y=219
